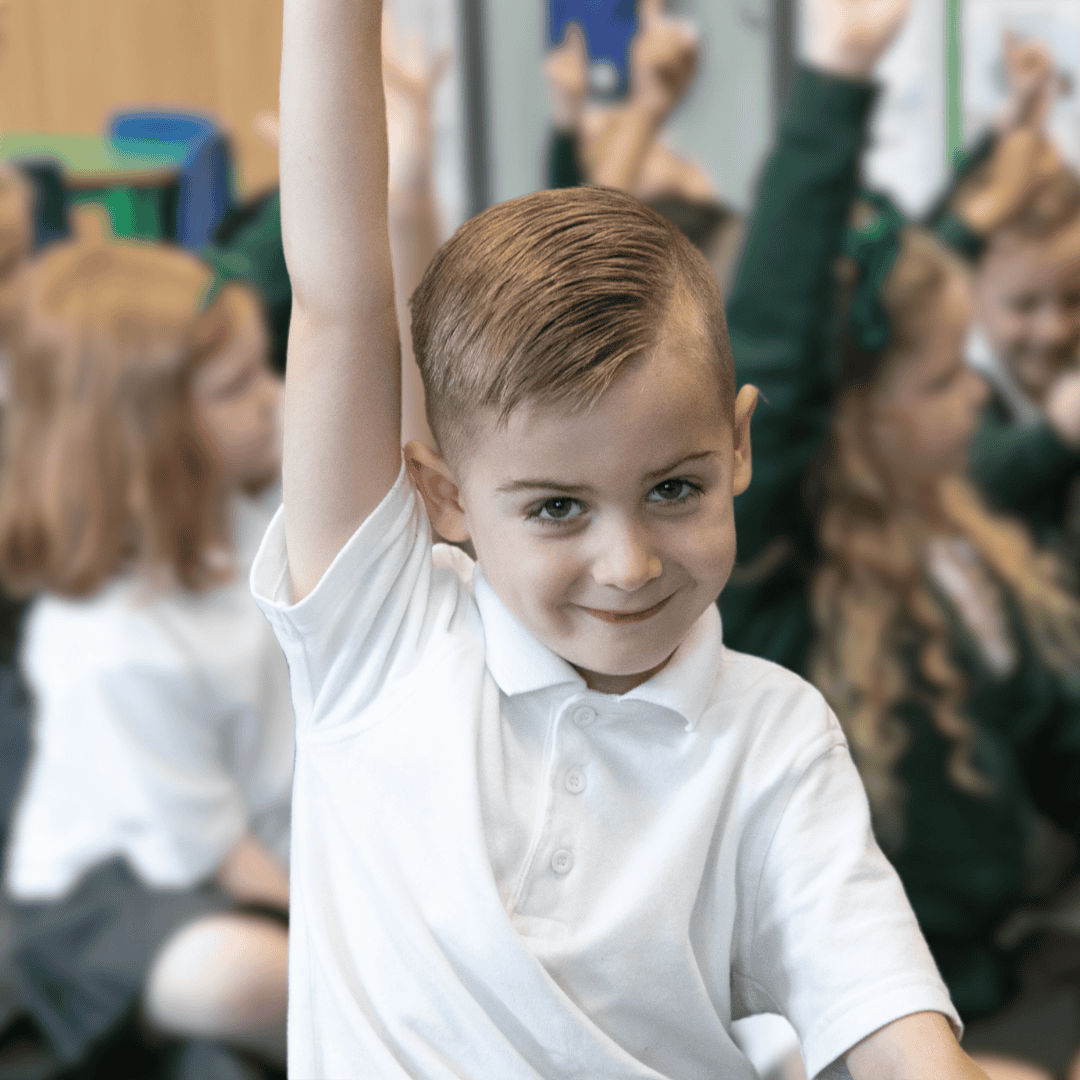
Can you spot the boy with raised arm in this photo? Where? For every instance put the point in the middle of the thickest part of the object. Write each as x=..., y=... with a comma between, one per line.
x=546, y=825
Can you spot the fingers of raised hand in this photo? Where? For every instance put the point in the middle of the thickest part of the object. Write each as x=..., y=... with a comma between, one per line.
x=567, y=66
x=668, y=44
x=412, y=71
x=574, y=40
x=650, y=12
x=1026, y=61
x=267, y=127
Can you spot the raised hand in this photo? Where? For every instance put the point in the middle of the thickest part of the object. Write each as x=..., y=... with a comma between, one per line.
x=268, y=127
x=1033, y=79
x=663, y=59
x=1063, y=406
x=566, y=70
x=410, y=77
x=1023, y=160
x=848, y=37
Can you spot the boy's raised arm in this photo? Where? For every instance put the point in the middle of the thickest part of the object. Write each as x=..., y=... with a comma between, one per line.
x=343, y=387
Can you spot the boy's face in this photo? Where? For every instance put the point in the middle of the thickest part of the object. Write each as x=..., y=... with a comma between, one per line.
x=1027, y=295
x=608, y=533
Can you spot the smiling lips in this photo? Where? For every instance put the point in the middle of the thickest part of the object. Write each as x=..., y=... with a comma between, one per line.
x=626, y=616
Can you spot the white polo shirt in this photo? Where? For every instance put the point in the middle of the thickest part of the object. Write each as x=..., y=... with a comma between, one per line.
x=163, y=730
x=498, y=873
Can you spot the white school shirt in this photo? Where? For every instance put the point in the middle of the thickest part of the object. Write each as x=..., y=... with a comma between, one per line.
x=499, y=874
x=163, y=730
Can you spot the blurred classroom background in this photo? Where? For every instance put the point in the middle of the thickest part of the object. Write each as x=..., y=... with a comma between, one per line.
x=69, y=67
x=157, y=112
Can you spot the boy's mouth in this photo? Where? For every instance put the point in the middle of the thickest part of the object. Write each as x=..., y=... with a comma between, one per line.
x=626, y=616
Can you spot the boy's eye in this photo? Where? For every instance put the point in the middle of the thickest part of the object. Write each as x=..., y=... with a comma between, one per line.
x=559, y=509
x=674, y=491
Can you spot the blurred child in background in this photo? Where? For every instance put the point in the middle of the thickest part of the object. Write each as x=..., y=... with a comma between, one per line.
x=946, y=643
x=16, y=240
x=139, y=465
x=1025, y=456
x=622, y=146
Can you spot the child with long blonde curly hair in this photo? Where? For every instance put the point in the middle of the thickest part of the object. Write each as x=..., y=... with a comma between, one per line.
x=140, y=452
x=947, y=644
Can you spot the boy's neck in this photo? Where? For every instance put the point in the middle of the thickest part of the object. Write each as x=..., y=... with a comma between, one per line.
x=618, y=684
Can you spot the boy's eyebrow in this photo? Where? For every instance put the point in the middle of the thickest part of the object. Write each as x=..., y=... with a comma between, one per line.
x=682, y=461
x=581, y=489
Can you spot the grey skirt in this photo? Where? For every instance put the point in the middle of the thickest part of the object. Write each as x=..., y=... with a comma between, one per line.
x=75, y=968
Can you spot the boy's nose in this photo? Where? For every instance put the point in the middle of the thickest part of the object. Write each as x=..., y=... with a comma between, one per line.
x=626, y=560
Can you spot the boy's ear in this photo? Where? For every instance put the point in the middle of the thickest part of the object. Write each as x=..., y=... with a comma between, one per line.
x=439, y=490
x=741, y=469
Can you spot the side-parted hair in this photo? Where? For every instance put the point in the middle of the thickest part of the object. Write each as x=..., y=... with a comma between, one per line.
x=102, y=469
x=546, y=299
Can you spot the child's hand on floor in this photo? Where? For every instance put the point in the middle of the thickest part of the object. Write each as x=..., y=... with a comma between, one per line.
x=410, y=77
x=848, y=37
x=663, y=59
x=566, y=70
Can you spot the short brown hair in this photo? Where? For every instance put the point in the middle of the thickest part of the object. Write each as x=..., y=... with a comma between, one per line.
x=102, y=469
x=547, y=298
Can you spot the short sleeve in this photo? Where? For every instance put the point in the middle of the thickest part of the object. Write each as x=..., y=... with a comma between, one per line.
x=834, y=945
x=371, y=617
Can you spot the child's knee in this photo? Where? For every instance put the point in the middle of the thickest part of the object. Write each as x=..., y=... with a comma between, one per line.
x=220, y=977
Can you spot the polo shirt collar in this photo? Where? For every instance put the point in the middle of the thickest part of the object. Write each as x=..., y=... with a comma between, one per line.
x=687, y=682
x=520, y=664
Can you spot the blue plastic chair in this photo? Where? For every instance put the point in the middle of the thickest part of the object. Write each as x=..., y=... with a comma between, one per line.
x=200, y=151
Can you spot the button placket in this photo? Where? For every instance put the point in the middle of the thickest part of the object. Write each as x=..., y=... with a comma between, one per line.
x=562, y=861
x=583, y=715
x=574, y=781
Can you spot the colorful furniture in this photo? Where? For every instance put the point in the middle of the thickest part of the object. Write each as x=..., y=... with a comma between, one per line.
x=200, y=152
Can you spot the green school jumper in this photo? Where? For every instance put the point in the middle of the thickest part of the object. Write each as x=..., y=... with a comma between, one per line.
x=248, y=247
x=1022, y=469
x=963, y=861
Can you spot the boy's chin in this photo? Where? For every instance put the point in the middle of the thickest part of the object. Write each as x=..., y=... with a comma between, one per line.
x=619, y=675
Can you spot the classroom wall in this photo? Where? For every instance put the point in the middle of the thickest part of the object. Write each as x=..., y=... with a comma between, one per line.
x=67, y=64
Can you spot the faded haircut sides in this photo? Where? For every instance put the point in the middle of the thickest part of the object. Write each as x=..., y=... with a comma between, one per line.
x=546, y=299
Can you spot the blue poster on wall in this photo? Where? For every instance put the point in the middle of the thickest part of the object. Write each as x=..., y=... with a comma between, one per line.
x=609, y=26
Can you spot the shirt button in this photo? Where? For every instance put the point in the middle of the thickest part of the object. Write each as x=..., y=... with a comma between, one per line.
x=575, y=781
x=561, y=861
x=584, y=715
